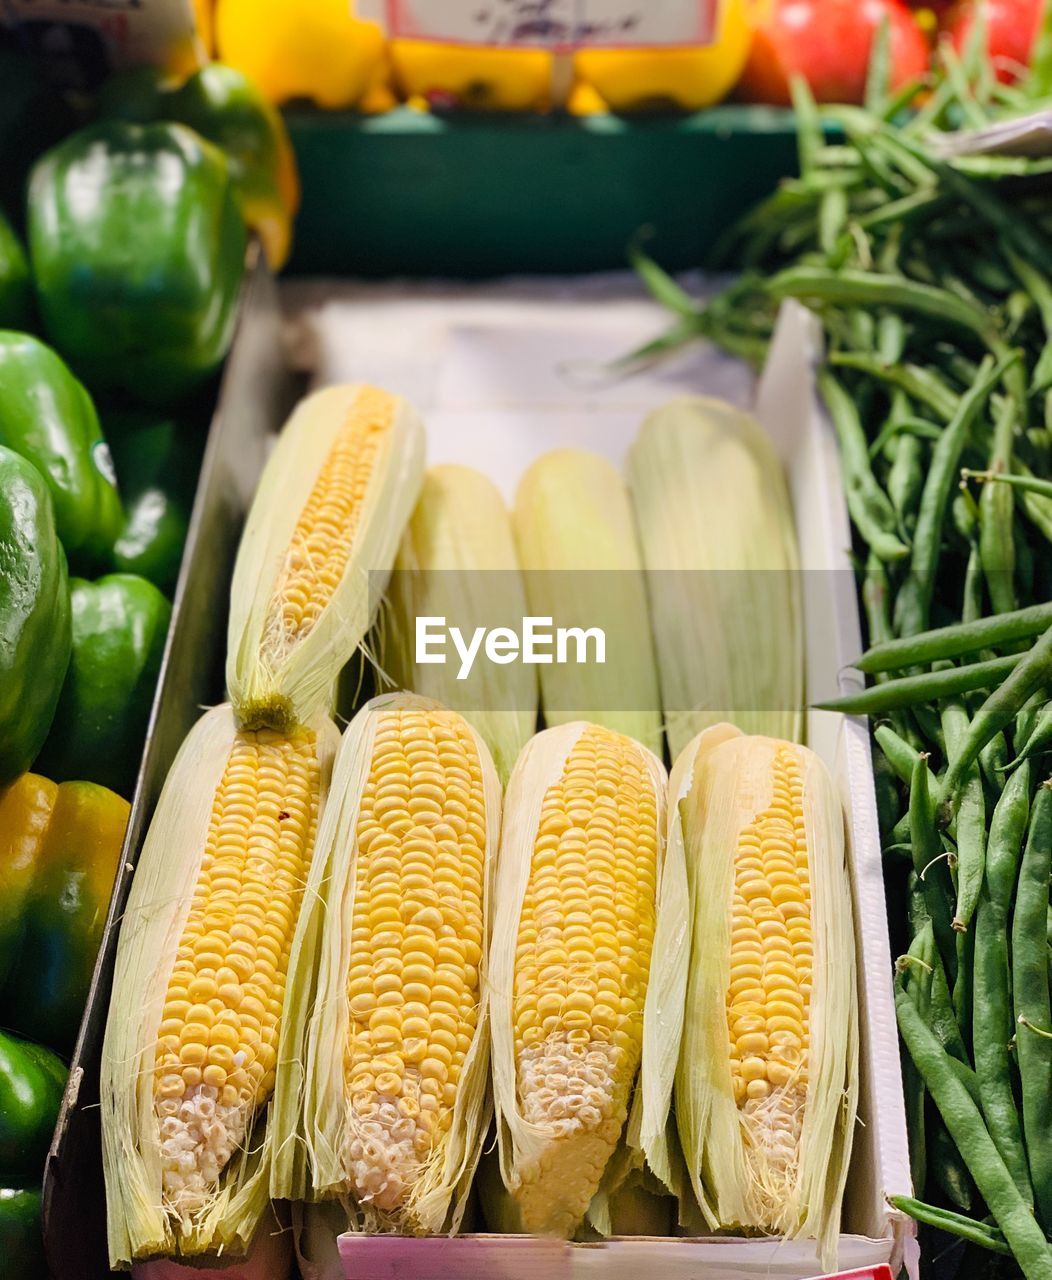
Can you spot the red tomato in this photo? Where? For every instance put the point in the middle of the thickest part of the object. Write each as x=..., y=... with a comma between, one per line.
x=828, y=42
x=1011, y=28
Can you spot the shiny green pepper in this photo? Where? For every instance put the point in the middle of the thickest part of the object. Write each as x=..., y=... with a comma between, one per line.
x=32, y=1081
x=225, y=107
x=47, y=416
x=16, y=289
x=36, y=633
x=158, y=460
x=21, y=1234
x=138, y=249
x=64, y=915
x=120, y=624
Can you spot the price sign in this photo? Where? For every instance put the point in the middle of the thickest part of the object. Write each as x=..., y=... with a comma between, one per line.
x=560, y=25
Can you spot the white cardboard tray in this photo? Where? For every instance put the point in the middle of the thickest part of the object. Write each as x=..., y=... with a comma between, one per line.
x=502, y=373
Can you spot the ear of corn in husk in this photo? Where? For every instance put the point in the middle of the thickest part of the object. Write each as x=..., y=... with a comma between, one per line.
x=320, y=541
x=578, y=547
x=573, y=927
x=722, y=569
x=382, y=1088
x=458, y=561
x=768, y=1079
x=192, y=1035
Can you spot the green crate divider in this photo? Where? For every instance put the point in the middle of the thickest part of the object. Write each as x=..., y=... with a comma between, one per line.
x=408, y=193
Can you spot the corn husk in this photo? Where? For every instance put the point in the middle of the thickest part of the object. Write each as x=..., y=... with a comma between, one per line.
x=722, y=564
x=310, y=1105
x=279, y=689
x=580, y=554
x=520, y=1143
x=732, y=1182
x=652, y=1130
x=158, y=906
x=458, y=561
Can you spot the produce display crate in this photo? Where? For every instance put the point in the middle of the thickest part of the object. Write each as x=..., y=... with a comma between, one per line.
x=408, y=193
x=255, y=396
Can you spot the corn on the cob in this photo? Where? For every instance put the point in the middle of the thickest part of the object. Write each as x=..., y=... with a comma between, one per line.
x=722, y=566
x=458, y=561
x=191, y=1045
x=578, y=547
x=317, y=549
x=767, y=1084
x=381, y=1093
x=573, y=928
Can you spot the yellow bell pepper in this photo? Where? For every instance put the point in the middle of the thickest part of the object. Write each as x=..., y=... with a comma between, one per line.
x=25, y=812
x=60, y=847
x=312, y=49
x=470, y=76
x=687, y=78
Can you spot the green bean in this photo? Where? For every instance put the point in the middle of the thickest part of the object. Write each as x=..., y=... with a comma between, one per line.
x=996, y=543
x=873, y=289
x=993, y=763
x=992, y=1022
x=921, y=690
x=1026, y=720
x=832, y=218
x=929, y=864
x=946, y=1165
x=908, y=427
x=972, y=602
x=1032, y=671
x=900, y=754
x=1030, y=484
x=1026, y=565
x=870, y=507
x=917, y=381
x=971, y=819
x=1032, y=1006
x=956, y=641
x=914, y=599
x=942, y=1019
x=809, y=135
x=906, y=479
x=954, y=1224
x=1039, y=740
x=964, y=984
x=965, y=1125
x=918, y=983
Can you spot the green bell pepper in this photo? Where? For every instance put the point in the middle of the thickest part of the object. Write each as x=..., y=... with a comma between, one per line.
x=21, y=1233
x=137, y=249
x=158, y=460
x=36, y=633
x=32, y=1081
x=16, y=288
x=47, y=416
x=225, y=107
x=120, y=624
x=64, y=915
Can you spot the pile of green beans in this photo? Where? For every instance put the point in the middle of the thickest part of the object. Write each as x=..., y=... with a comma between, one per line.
x=932, y=278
